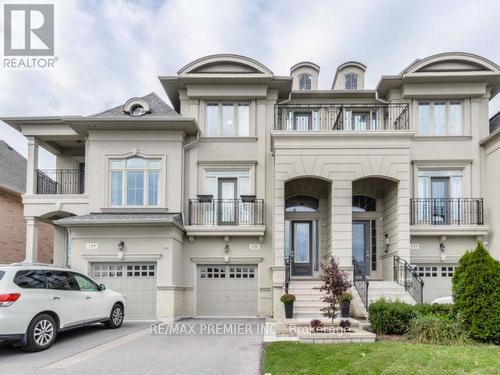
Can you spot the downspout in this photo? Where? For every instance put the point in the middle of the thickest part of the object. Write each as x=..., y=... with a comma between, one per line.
x=380, y=100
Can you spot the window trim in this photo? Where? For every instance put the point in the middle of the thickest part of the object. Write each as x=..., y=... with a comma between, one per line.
x=124, y=158
x=431, y=126
x=212, y=167
x=220, y=105
x=305, y=75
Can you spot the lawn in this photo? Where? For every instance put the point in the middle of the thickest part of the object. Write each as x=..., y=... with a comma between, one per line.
x=380, y=358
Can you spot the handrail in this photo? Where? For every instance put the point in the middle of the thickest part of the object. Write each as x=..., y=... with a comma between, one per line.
x=288, y=272
x=226, y=212
x=406, y=276
x=360, y=282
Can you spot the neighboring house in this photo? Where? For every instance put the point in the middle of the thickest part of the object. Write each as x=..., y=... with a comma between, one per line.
x=12, y=223
x=495, y=122
x=238, y=193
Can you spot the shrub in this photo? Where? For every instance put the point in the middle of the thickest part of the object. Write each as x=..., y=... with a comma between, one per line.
x=316, y=325
x=476, y=293
x=334, y=282
x=427, y=309
x=435, y=330
x=345, y=297
x=390, y=317
x=287, y=298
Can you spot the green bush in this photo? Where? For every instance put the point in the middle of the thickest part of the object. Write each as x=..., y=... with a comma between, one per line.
x=435, y=330
x=426, y=309
x=476, y=293
x=390, y=317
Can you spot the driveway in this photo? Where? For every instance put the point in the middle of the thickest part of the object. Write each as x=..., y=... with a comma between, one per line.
x=194, y=346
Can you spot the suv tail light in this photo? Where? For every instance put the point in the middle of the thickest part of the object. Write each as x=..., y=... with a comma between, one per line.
x=8, y=299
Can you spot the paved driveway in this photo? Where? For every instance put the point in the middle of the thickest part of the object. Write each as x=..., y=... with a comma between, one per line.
x=192, y=346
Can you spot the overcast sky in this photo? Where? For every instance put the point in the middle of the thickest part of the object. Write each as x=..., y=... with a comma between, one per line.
x=111, y=50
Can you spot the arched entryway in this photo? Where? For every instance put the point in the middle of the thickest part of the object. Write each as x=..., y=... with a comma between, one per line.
x=307, y=222
x=374, y=224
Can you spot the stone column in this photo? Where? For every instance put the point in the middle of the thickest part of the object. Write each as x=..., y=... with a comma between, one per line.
x=32, y=165
x=31, y=239
x=341, y=214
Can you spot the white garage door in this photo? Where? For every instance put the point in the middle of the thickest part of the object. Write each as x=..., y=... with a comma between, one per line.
x=136, y=281
x=227, y=290
x=437, y=279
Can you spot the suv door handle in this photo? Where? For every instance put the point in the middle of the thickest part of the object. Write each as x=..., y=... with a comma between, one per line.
x=88, y=297
x=56, y=297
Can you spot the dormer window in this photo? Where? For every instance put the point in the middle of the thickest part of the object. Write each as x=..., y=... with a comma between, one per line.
x=351, y=81
x=136, y=107
x=305, y=81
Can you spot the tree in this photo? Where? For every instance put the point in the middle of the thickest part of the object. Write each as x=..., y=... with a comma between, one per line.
x=476, y=294
x=334, y=283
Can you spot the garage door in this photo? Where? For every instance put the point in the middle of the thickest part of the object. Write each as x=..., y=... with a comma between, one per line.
x=227, y=290
x=136, y=281
x=437, y=280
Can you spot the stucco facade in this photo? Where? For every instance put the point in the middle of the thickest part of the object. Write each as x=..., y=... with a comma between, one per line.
x=251, y=180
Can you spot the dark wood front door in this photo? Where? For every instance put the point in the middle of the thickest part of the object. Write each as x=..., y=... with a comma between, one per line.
x=302, y=254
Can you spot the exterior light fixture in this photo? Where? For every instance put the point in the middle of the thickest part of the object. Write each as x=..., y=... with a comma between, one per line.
x=442, y=248
x=387, y=242
x=121, y=247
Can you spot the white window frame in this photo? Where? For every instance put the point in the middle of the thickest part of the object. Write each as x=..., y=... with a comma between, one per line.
x=346, y=77
x=431, y=126
x=220, y=121
x=145, y=171
x=306, y=76
x=450, y=174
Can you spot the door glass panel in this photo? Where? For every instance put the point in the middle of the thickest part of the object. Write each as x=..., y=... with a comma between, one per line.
x=301, y=248
x=227, y=194
x=439, y=192
x=303, y=120
x=360, y=121
x=358, y=242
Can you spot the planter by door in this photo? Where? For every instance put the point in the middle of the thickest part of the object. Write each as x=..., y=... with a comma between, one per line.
x=344, y=310
x=289, y=310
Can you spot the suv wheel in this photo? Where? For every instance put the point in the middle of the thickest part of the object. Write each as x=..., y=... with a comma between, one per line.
x=42, y=333
x=116, y=317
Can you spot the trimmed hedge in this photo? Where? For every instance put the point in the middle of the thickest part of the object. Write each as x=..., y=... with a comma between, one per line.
x=476, y=293
x=390, y=318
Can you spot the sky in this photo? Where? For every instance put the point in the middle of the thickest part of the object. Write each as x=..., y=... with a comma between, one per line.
x=110, y=50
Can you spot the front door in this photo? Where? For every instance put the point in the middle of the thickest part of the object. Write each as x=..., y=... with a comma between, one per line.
x=361, y=245
x=439, y=195
x=227, y=206
x=302, y=258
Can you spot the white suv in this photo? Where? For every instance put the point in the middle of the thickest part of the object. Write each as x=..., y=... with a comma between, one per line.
x=37, y=301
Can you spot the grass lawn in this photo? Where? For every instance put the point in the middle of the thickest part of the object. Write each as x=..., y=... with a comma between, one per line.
x=380, y=358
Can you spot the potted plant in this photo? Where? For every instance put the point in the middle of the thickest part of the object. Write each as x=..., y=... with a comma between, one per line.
x=316, y=325
x=288, y=300
x=345, y=301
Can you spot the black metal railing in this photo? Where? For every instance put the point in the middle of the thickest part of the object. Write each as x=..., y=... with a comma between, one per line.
x=288, y=271
x=60, y=181
x=360, y=282
x=342, y=117
x=226, y=212
x=406, y=276
x=446, y=211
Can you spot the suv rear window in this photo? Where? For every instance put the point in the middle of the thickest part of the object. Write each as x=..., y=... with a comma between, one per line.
x=1, y=274
x=30, y=279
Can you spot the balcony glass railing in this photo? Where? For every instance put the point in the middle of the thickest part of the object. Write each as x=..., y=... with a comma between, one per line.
x=446, y=211
x=226, y=212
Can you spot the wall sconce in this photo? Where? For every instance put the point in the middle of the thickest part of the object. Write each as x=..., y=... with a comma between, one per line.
x=442, y=248
x=387, y=242
x=121, y=247
x=226, y=251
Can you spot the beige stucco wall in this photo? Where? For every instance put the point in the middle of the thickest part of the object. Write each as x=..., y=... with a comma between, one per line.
x=492, y=194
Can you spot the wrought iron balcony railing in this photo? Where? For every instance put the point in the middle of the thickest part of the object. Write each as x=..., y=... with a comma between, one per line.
x=345, y=117
x=226, y=212
x=60, y=181
x=446, y=211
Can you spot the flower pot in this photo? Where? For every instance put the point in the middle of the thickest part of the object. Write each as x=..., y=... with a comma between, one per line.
x=344, y=310
x=289, y=310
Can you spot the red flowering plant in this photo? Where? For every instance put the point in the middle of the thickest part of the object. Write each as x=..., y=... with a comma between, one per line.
x=335, y=282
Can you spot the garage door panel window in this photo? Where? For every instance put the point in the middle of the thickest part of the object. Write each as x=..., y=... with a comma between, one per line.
x=129, y=270
x=213, y=272
x=241, y=272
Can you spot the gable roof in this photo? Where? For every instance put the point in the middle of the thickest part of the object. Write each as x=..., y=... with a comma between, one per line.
x=157, y=107
x=12, y=169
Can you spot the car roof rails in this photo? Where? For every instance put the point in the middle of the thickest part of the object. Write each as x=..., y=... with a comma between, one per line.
x=20, y=264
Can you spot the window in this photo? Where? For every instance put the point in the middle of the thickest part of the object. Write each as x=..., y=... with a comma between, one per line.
x=440, y=184
x=351, y=81
x=213, y=272
x=137, y=111
x=135, y=182
x=363, y=203
x=302, y=203
x=32, y=279
x=60, y=280
x=124, y=270
x=241, y=272
x=1, y=274
x=84, y=283
x=440, y=118
x=304, y=81
x=302, y=120
x=213, y=187
x=228, y=120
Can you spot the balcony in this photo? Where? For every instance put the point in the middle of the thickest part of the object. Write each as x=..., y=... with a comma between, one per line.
x=447, y=216
x=345, y=117
x=231, y=217
x=60, y=181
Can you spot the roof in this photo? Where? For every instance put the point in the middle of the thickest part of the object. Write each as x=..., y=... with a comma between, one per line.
x=122, y=219
x=157, y=107
x=12, y=169
x=306, y=64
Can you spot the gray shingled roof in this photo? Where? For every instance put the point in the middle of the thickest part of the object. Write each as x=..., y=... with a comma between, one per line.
x=157, y=108
x=12, y=169
x=122, y=219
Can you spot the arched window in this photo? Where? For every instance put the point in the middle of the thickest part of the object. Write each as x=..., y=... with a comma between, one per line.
x=363, y=203
x=351, y=81
x=136, y=107
x=302, y=203
x=304, y=81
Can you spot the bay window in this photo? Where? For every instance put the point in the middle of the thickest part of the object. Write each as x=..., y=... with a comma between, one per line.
x=134, y=182
x=440, y=118
x=228, y=120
